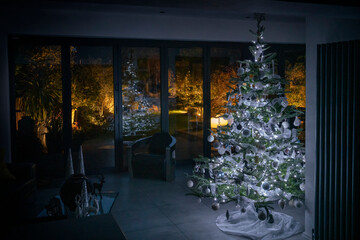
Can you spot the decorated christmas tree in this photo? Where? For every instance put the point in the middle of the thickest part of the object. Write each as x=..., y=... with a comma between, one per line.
x=259, y=158
x=137, y=116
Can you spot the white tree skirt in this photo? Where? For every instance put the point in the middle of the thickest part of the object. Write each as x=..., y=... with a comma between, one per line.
x=248, y=225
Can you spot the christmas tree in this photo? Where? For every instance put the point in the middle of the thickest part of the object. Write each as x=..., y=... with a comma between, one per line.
x=137, y=116
x=259, y=158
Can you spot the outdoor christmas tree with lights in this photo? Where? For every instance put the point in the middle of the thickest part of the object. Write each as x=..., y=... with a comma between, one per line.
x=260, y=159
x=137, y=116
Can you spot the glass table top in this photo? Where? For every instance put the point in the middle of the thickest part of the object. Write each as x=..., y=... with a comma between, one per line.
x=105, y=205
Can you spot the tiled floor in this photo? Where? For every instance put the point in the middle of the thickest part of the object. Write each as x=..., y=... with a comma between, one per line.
x=156, y=210
x=151, y=209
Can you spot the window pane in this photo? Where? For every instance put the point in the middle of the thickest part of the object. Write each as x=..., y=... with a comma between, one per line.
x=140, y=92
x=38, y=106
x=186, y=101
x=223, y=67
x=92, y=99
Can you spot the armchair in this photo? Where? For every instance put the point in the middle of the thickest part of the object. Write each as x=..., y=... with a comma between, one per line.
x=152, y=157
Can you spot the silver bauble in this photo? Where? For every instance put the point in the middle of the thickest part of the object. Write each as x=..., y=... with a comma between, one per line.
x=240, y=71
x=298, y=204
x=265, y=186
x=287, y=133
x=216, y=144
x=221, y=151
x=199, y=200
x=207, y=190
x=302, y=186
x=297, y=122
x=282, y=203
x=246, y=132
x=215, y=206
x=210, y=138
x=190, y=183
x=275, y=164
x=237, y=148
x=285, y=124
x=262, y=216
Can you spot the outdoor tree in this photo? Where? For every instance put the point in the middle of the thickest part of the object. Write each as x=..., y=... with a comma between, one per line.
x=296, y=89
x=39, y=99
x=189, y=92
x=137, y=116
x=38, y=84
x=259, y=158
x=219, y=84
x=92, y=93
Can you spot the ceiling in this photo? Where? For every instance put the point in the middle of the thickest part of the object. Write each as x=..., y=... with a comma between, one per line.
x=274, y=10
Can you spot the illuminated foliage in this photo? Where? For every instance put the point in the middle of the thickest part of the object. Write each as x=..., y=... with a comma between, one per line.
x=38, y=83
x=219, y=88
x=295, y=73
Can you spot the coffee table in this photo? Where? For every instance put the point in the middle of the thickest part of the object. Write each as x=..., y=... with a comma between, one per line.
x=67, y=226
x=105, y=205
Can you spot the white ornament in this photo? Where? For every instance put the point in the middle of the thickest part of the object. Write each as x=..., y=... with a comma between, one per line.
x=221, y=150
x=69, y=165
x=81, y=168
x=240, y=71
x=287, y=133
x=285, y=124
x=207, y=190
x=238, y=148
x=302, y=186
x=297, y=122
x=210, y=138
x=213, y=188
x=190, y=183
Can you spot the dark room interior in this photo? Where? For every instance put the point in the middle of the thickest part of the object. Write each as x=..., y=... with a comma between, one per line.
x=107, y=107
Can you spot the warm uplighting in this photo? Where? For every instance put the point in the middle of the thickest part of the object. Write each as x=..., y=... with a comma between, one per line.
x=218, y=121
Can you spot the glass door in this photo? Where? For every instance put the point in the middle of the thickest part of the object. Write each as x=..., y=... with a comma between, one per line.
x=92, y=105
x=140, y=77
x=38, y=131
x=185, y=84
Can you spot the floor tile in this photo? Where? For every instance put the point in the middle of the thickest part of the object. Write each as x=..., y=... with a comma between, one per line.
x=135, y=220
x=159, y=233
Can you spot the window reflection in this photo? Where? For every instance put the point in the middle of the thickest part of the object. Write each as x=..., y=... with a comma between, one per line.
x=186, y=101
x=140, y=92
